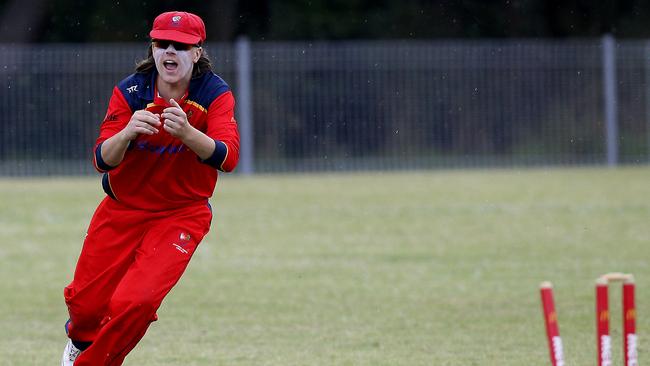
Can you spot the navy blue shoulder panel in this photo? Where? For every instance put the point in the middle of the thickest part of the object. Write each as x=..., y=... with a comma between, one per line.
x=137, y=89
x=205, y=89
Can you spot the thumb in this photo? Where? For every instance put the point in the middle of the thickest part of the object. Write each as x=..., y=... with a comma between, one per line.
x=174, y=103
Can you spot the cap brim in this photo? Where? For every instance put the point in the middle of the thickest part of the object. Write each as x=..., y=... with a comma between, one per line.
x=173, y=35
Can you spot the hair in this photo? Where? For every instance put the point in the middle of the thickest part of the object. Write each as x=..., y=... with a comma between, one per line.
x=202, y=66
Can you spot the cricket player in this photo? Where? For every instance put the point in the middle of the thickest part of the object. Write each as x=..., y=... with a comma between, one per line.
x=169, y=129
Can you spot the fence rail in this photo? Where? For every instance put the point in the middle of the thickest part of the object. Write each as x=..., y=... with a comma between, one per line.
x=330, y=106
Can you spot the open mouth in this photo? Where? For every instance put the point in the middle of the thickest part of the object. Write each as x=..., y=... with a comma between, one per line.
x=170, y=65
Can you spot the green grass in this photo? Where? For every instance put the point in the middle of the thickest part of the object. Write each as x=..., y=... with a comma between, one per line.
x=423, y=268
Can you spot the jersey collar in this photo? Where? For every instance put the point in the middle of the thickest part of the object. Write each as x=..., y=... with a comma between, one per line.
x=158, y=100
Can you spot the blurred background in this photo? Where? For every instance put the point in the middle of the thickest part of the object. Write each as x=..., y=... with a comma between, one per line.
x=349, y=85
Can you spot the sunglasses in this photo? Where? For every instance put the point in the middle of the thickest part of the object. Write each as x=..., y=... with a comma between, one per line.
x=158, y=43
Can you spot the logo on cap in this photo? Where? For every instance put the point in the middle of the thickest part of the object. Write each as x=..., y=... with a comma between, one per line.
x=176, y=19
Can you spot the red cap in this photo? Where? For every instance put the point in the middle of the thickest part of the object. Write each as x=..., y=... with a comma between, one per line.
x=178, y=26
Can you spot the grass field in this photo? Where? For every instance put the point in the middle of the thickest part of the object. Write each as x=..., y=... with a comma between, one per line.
x=429, y=268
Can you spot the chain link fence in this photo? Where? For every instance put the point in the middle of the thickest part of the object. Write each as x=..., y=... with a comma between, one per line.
x=339, y=106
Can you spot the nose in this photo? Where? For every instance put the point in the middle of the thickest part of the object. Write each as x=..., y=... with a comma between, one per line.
x=170, y=49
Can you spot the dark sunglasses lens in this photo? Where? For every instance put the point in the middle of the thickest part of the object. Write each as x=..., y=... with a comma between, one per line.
x=181, y=46
x=161, y=44
x=177, y=46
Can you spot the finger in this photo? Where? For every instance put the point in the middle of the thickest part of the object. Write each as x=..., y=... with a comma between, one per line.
x=150, y=119
x=171, y=124
x=175, y=107
x=174, y=117
x=175, y=110
x=145, y=131
x=169, y=129
x=145, y=112
x=146, y=126
x=148, y=112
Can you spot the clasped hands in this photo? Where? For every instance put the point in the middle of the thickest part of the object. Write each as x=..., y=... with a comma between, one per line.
x=174, y=121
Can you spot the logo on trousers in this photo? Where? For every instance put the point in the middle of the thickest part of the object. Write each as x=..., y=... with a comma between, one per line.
x=180, y=248
x=185, y=238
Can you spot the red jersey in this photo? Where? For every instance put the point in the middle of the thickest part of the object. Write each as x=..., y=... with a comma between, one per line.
x=158, y=172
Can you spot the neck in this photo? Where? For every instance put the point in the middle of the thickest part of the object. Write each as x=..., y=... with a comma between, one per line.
x=168, y=90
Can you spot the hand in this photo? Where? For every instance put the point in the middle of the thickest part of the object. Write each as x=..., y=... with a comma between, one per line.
x=175, y=121
x=143, y=122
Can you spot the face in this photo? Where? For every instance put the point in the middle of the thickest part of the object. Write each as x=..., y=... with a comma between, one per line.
x=174, y=64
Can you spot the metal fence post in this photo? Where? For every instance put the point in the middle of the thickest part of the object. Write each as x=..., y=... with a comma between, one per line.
x=646, y=72
x=611, y=102
x=245, y=104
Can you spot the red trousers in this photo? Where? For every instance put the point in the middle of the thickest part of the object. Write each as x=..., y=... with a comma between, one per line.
x=129, y=262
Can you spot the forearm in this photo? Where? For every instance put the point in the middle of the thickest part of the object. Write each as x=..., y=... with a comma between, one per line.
x=114, y=148
x=202, y=144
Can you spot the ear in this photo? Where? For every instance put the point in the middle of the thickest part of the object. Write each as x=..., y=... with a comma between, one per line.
x=197, y=54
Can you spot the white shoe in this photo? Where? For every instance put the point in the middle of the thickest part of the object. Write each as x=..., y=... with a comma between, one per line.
x=70, y=354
